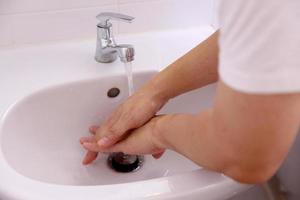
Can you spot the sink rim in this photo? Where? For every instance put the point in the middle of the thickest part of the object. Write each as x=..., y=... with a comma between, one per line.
x=26, y=187
x=170, y=186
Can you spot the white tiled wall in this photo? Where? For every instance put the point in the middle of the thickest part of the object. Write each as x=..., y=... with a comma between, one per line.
x=31, y=21
x=163, y=14
x=5, y=30
x=25, y=6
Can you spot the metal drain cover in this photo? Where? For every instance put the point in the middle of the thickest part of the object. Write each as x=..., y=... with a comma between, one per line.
x=124, y=163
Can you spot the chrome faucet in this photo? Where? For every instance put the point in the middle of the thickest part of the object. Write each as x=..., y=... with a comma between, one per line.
x=107, y=49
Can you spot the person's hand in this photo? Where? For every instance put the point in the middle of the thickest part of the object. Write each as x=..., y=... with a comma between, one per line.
x=140, y=141
x=132, y=114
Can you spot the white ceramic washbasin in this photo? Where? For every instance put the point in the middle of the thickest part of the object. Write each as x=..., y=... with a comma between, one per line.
x=40, y=155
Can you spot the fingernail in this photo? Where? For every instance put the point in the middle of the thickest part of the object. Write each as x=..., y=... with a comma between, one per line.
x=103, y=141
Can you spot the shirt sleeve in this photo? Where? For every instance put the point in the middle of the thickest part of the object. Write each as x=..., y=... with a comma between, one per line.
x=260, y=45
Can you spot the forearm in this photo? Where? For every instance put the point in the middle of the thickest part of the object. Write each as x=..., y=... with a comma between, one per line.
x=237, y=138
x=196, y=69
x=191, y=136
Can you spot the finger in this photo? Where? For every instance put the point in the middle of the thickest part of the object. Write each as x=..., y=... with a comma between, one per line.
x=136, y=143
x=158, y=155
x=91, y=146
x=115, y=128
x=89, y=157
x=114, y=149
x=87, y=139
x=93, y=129
x=122, y=146
x=119, y=130
x=108, y=141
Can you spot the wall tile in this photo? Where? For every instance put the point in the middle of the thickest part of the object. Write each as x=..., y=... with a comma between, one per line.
x=57, y=25
x=131, y=1
x=32, y=21
x=21, y=6
x=166, y=14
x=5, y=30
x=215, y=18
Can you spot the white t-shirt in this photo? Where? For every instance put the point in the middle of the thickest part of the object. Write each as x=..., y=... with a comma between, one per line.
x=260, y=45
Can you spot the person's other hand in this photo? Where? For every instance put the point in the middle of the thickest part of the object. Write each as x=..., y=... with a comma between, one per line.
x=132, y=114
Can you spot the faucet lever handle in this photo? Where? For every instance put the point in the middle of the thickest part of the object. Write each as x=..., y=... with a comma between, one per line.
x=104, y=18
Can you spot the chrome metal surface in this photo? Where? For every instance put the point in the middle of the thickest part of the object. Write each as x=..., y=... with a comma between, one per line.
x=125, y=163
x=106, y=16
x=107, y=50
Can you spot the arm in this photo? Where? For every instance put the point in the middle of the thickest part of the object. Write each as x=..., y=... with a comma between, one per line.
x=196, y=69
x=244, y=136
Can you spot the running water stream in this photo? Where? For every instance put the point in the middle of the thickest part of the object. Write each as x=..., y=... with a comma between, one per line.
x=121, y=162
x=128, y=69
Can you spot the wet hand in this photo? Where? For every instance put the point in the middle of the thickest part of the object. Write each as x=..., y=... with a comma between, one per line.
x=132, y=114
x=139, y=141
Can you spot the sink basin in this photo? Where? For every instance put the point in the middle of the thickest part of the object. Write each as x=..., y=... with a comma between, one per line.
x=40, y=156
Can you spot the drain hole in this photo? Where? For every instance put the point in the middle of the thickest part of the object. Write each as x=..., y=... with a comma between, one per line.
x=113, y=92
x=124, y=163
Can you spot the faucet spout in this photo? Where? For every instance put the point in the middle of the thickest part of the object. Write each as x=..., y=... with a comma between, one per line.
x=126, y=53
x=110, y=53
